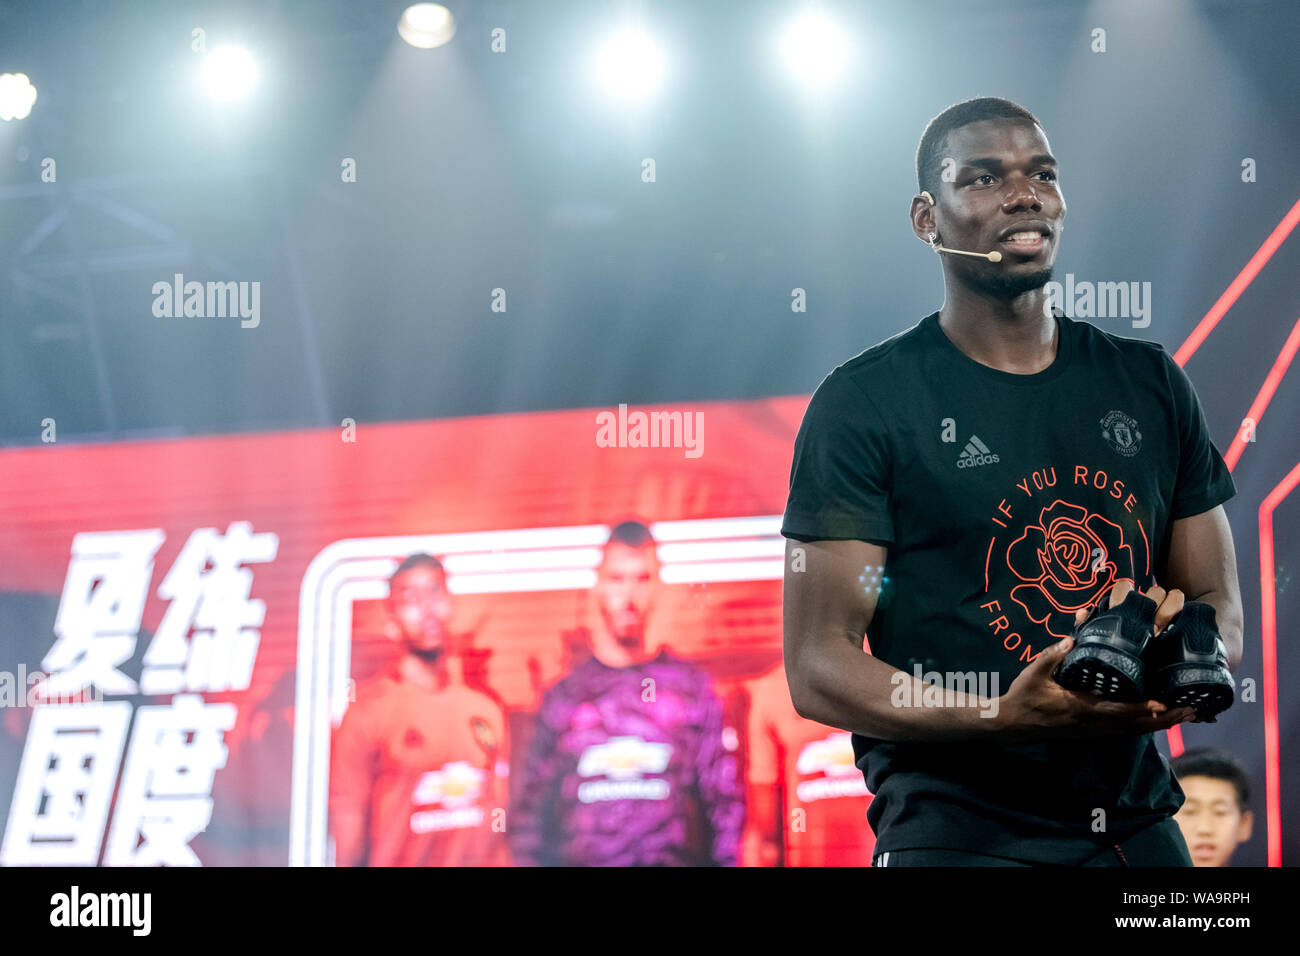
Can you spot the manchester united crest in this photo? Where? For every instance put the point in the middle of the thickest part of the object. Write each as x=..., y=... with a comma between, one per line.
x=1121, y=433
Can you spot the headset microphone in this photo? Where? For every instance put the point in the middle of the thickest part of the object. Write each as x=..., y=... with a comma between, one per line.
x=994, y=256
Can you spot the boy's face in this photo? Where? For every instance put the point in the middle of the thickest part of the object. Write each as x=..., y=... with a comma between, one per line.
x=1211, y=821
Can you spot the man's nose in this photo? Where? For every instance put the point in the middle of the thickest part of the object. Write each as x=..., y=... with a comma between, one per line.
x=1020, y=194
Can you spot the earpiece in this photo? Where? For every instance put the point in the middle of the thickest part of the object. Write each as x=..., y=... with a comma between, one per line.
x=925, y=194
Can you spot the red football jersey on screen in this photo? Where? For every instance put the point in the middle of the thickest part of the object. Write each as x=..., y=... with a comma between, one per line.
x=825, y=797
x=417, y=777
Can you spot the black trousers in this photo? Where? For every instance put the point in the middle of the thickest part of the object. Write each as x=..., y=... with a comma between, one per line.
x=1161, y=844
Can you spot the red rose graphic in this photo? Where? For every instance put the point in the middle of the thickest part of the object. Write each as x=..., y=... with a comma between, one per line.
x=1066, y=562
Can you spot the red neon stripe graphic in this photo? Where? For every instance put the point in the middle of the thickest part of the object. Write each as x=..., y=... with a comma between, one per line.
x=1238, y=286
x=1267, y=583
x=1268, y=609
x=1268, y=606
x=1265, y=394
x=1175, y=740
x=1147, y=545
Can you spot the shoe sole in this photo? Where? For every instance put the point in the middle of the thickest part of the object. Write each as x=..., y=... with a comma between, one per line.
x=1206, y=689
x=1105, y=672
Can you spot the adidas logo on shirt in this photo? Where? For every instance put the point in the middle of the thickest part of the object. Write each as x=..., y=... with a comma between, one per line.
x=975, y=453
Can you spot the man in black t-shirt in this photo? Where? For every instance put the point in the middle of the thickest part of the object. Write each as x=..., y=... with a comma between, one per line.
x=960, y=494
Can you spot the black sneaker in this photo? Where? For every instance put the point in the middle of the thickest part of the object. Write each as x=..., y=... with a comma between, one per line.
x=1106, y=659
x=1187, y=663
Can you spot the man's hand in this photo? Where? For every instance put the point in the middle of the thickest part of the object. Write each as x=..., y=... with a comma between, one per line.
x=1168, y=604
x=1035, y=706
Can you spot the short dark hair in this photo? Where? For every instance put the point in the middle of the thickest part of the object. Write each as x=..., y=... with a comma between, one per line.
x=1217, y=765
x=929, y=154
x=633, y=534
x=417, y=560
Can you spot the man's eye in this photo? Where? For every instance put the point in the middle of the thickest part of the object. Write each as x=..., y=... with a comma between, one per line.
x=1051, y=176
x=983, y=176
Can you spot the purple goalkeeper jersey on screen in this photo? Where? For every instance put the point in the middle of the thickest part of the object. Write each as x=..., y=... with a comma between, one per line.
x=628, y=767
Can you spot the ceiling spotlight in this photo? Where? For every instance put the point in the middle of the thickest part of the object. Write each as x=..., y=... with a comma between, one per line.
x=814, y=49
x=16, y=96
x=426, y=25
x=229, y=73
x=631, y=66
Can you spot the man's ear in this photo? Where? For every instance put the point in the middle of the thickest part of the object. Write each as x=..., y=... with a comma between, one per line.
x=921, y=214
x=1245, y=827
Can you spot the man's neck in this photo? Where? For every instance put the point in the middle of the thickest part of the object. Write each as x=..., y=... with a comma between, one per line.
x=606, y=649
x=1011, y=335
x=430, y=674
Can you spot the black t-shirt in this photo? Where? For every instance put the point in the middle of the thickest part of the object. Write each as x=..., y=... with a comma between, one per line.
x=1005, y=501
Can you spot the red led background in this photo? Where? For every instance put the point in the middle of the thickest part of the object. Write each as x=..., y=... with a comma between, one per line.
x=312, y=488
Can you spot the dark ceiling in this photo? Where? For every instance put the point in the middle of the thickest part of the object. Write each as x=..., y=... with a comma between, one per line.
x=479, y=171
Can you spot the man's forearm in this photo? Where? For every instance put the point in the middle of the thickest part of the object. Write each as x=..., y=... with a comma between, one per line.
x=840, y=686
x=349, y=833
x=1227, y=614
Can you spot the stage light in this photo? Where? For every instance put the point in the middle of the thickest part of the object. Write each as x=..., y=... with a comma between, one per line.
x=426, y=25
x=16, y=96
x=630, y=67
x=814, y=49
x=229, y=73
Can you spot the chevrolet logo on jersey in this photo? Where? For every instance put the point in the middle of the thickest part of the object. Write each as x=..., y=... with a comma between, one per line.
x=624, y=761
x=832, y=759
x=834, y=755
x=457, y=784
x=624, y=758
